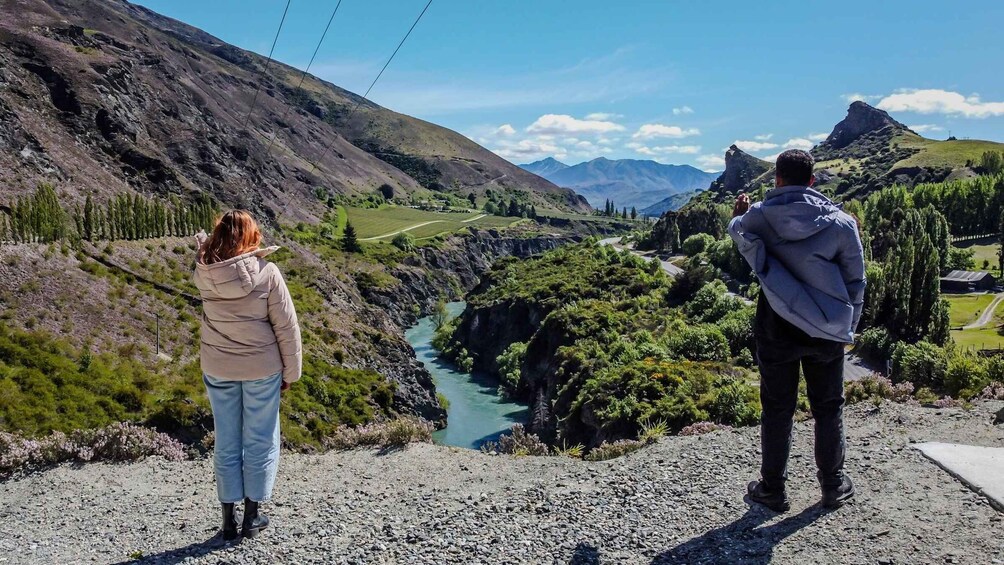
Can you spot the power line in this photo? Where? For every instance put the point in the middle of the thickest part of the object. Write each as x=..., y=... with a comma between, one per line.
x=313, y=165
x=261, y=73
x=304, y=75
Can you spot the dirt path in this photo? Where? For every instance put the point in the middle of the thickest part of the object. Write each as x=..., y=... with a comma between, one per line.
x=679, y=501
x=987, y=315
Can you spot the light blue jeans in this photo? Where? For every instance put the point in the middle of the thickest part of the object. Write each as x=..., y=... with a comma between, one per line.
x=246, y=456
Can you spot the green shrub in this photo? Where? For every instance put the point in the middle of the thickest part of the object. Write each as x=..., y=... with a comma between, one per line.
x=510, y=364
x=700, y=343
x=711, y=303
x=612, y=450
x=875, y=344
x=737, y=327
x=697, y=243
x=517, y=442
x=404, y=241
x=922, y=363
x=966, y=374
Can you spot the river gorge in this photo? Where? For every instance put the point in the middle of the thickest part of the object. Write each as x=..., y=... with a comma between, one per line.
x=475, y=413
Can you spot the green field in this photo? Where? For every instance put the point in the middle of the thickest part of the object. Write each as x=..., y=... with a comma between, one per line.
x=967, y=308
x=387, y=221
x=981, y=252
x=983, y=338
x=936, y=153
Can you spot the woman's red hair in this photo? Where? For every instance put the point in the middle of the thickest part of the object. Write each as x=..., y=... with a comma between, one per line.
x=236, y=233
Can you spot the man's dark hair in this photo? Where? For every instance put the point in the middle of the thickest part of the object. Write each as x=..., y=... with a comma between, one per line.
x=794, y=166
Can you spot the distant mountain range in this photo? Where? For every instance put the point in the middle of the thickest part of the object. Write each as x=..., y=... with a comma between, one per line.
x=627, y=182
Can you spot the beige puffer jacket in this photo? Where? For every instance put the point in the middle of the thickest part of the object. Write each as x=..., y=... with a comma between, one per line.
x=249, y=326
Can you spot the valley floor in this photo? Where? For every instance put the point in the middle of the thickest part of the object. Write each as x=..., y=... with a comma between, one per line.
x=680, y=501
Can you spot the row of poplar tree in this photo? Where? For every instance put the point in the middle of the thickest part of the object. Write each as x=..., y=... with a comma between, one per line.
x=39, y=218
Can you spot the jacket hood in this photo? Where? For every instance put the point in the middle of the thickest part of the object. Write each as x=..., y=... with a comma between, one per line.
x=798, y=212
x=233, y=278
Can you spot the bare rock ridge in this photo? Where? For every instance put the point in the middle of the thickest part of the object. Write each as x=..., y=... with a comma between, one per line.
x=741, y=169
x=861, y=119
x=100, y=97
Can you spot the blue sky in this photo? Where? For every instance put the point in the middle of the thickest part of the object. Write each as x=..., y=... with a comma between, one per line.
x=672, y=80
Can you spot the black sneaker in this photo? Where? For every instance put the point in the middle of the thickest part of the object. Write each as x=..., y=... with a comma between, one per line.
x=835, y=497
x=776, y=500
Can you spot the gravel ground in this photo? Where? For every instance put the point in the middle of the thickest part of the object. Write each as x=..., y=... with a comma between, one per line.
x=680, y=501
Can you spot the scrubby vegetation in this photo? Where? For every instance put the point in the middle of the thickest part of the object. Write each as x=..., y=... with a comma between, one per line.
x=48, y=386
x=609, y=350
x=116, y=442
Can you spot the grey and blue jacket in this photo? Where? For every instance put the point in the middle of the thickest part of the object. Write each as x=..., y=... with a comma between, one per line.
x=807, y=254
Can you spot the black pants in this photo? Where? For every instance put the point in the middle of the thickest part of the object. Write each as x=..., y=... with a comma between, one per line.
x=781, y=349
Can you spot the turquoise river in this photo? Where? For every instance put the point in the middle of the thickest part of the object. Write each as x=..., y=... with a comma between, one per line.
x=476, y=412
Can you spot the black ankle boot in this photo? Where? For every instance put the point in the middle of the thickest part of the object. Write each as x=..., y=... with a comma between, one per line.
x=254, y=522
x=229, y=522
x=775, y=499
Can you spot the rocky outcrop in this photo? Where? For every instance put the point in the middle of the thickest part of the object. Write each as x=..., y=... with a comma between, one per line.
x=741, y=170
x=861, y=119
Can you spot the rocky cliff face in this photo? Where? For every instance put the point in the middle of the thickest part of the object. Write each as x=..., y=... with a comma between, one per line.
x=452, y=270
x=861, y=119
x=741, y=172
x=449, y=271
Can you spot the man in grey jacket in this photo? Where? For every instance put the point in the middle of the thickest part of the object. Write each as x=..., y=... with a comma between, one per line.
x=807, y=255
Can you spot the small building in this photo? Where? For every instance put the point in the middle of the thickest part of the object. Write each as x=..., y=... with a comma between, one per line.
x=967, y=281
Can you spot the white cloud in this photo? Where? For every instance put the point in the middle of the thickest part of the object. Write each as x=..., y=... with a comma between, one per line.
x=711, y=162
x=858, y=97
x=665, y=149
x=753, y=146
x=529, y=149
x=936, y=101
x=603, y=116
x=818, y=136
x=649, y=131
x=683, y=110
x=505, y=129
x=763, y=136
x=924, y=128
x=798, y=143
x=565, y=124
x=770, y=158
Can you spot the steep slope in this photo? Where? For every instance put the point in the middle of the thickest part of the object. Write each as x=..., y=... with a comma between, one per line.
x=104, y=96
x=544, y=167
x=627, y=182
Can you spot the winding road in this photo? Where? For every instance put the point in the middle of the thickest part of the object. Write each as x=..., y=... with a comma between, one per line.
x=987, y=315
x=671, y=269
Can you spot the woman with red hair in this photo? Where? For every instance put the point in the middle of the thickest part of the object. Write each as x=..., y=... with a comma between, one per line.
x=250, y=352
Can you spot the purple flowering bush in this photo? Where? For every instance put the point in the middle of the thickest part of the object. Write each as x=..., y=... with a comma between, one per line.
x=400, y=431
x=116, y=442
x=993, y=391
x=701, y=428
